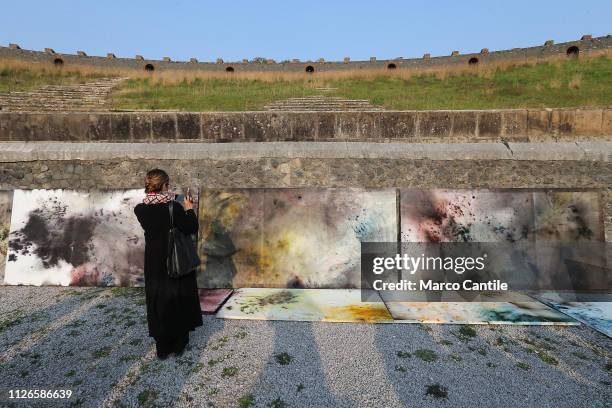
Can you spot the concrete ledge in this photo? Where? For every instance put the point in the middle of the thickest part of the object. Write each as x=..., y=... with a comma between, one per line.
x=547, y=151
x=22, y=151
x=445, y=126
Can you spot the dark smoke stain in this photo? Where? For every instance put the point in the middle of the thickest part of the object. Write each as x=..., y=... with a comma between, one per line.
x=442, y=220
x=296, y=283
x=582, y=229
x=52, y=237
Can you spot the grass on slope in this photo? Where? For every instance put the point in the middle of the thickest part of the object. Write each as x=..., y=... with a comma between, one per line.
x=583, y=82
x=206, y=94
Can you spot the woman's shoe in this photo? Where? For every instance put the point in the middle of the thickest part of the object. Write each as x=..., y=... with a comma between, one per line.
x=181, y=346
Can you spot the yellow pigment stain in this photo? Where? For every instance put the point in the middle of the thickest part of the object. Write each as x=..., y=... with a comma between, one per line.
x=363, y=313
x=274, y=250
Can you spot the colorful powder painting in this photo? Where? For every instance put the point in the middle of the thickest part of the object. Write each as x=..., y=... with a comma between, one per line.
x=329, y=305
x=6, y=201
x=520, y=313
x=80, y=238
x=570, y=236
x=212, y=299
x=466, y=215
x=597, y=315
x=290, y=238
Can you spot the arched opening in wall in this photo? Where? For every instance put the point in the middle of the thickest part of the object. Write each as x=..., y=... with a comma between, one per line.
x=58, y=62
x=229, y=69
x=573, y=51
x=391, y=66
x=310, y=69
x=473, y=61
x=149, y=68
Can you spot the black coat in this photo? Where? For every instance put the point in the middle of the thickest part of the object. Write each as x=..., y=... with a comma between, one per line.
x=173, y=305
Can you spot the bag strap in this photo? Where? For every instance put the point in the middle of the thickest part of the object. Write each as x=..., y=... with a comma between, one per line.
x=171, y=209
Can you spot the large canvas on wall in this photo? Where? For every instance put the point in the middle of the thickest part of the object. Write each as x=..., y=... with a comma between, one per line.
x=568, y=216
x=81, y=238
x=477, y=215
x=290, y=238
x=440, y=215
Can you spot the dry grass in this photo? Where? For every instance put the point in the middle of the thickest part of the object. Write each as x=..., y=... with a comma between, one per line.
x=575, y=82
x=318, y=79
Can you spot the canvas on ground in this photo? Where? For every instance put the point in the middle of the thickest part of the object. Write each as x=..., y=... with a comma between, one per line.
x=212, y=299
x=597, y=315
x=330, y=305
x=522, y=313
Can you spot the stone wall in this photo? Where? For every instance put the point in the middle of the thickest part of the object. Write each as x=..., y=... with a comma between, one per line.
x=511, y=125
x=585, y=45
x=487, y=165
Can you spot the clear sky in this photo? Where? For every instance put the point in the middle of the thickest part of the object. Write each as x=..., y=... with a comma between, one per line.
x=306, y=29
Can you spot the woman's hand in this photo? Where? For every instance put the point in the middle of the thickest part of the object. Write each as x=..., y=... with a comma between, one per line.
x=187, y=204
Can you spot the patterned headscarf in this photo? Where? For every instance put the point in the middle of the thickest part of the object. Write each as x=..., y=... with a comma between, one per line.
x=157, y=198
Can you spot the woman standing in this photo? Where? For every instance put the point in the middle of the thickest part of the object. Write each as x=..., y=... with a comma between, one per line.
x=173, y=307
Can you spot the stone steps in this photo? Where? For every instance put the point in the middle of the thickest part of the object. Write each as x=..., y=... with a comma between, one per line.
x=90, y=96
x=322, y=103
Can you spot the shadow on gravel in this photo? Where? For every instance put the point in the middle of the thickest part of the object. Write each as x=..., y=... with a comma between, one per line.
x=294, y=374
x=161, y=382
x=16, y=325
x=89, y=354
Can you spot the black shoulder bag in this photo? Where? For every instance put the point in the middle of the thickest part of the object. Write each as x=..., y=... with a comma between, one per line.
x=182, y=254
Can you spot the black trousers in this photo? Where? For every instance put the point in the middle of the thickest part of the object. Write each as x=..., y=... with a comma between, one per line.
x=176, y=344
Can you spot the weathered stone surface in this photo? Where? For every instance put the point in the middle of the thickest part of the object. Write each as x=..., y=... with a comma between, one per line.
x=326, y=126
x=599, y=151
x=489, y=125
x=514, y=125
x=257, y=127
x=346, y=127
x=26, y=127
x=120, y=126
x=588, y=122
x=141, y=127
x=99, y=127
x=562, y=122
x=336, y=172
x=224, y=127
x=188, y=125
x=464, y=124
x=164, y=126
x=547, y=151
x=409, y=126
x=301, y=128
x=606, y=126
x=24, y=151
x=398, y=125
x=68, y=127
x=538, y=123
x=434, y=124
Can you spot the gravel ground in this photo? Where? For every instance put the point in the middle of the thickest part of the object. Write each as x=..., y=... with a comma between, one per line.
x=94, y=341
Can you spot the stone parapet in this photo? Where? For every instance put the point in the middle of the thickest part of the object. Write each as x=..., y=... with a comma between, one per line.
x=507, y=125
x=586, y=45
